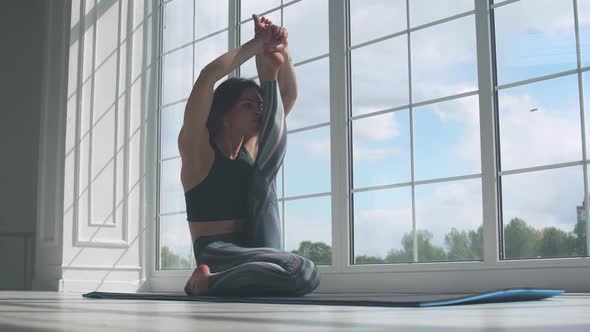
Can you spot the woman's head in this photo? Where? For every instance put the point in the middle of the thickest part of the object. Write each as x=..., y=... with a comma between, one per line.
x=237, y=103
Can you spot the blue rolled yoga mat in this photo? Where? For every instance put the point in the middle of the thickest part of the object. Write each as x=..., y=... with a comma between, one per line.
x=376, y=300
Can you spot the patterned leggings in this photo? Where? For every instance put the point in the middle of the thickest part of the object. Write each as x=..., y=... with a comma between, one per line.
x=254, y=271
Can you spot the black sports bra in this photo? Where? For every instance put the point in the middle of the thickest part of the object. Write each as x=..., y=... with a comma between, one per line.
x=222, y=194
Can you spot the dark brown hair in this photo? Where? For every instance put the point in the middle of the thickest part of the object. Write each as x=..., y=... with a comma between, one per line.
x=224, y=98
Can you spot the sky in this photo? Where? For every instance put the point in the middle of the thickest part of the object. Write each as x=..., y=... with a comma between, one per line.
x=534, y=38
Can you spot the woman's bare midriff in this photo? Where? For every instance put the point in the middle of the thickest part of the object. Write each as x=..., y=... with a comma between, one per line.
x=214, y=227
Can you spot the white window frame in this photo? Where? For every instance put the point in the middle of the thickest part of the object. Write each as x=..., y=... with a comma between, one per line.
x=570, y=274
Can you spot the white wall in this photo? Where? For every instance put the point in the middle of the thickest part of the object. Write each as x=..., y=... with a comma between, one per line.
x=21, y=61
x=100, y=108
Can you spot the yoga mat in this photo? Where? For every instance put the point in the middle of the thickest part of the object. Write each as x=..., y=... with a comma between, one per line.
x=377, y=300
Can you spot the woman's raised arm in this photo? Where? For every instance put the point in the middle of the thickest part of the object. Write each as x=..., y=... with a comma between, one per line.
x=198, y=106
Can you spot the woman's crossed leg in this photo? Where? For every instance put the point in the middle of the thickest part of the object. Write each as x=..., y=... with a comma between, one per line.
x=226, y=269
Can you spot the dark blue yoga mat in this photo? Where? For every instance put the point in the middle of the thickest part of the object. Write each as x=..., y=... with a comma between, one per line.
x=377, y=300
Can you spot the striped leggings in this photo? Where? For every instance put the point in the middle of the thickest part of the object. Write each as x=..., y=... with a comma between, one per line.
x=258, y=271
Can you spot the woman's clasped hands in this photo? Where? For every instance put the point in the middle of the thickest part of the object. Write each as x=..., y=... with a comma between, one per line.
x=274, y=38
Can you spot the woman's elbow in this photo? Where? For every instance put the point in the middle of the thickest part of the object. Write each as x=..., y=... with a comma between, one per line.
x=208, y=73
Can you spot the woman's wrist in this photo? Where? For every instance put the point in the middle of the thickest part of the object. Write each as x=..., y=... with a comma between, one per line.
x=257, y=44
x=266, y=72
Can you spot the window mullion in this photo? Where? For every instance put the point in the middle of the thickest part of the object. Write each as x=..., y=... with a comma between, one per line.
x=233, y=31
x=582, y=121
x=339, y=135
x=487, y=132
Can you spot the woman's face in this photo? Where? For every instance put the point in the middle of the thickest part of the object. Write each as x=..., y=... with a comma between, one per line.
x=245, y=114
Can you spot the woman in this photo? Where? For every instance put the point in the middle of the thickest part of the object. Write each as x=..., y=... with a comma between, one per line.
x=232, y=144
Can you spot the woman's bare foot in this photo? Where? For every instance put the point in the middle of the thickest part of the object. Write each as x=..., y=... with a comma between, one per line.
x=198, y=283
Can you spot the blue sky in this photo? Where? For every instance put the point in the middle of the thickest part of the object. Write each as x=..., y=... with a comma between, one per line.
x=534, y=38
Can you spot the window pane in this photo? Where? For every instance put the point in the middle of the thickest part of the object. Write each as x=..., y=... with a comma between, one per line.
x=211, y=16
x=382, y=224
x=177, y=73
x=172, y=119
x=381, y=149
x=380, y=76
x=178, y=27
x=534, y=38
x=308, y=230
x=176, y=250
x=584, y=21
x=208, y=50
x=307, y=162
x=540, y=123
x=449, y=221
x=171, y=191
x=257, y=7
x=447, y=139
x=364, y=14
x=303, y=20
x=426, y=11
x=444, y=59
x=539, y=212
x=248, y=68
x=313, y=100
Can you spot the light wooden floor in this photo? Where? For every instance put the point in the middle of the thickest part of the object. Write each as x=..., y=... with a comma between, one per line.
x=52, y=311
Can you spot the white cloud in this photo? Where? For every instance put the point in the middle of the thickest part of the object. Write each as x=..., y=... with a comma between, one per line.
x=545, y=136
x=546, y=16
x=365, y=13
x=436, y=48
x=425, y=11
x=377, y=128
x=367, y=153
x=319, y=148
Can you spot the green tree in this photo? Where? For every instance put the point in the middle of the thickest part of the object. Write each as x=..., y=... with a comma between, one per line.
x=399, y=256
x=364, y=259
x=520, y=239
x=579, y=238
x=318, y=252
x=426, y=250
x=476, y=242
x=463, y=245
x=554, y=243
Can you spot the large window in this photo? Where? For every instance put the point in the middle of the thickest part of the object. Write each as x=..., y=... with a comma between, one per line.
x=542, y=164
x=448, y=163
x=415, y=122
